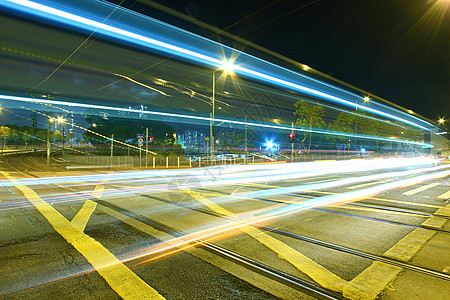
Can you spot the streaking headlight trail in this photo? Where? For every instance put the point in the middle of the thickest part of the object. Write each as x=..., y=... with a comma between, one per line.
x=272, y=77
x=208, y=119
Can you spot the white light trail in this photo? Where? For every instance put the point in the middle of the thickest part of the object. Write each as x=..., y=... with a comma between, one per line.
x=82, y=22
x=183, y=116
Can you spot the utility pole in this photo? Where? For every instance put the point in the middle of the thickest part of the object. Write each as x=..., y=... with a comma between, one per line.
x=112, y=149
x=211, y=139
x=292, y=143
x=356, y=126
x=64, y=135
x=33, y=138
x=146, y=146
x=49, y=121
x=245, y=135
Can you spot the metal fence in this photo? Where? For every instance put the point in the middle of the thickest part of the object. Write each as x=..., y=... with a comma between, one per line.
x=105, y=161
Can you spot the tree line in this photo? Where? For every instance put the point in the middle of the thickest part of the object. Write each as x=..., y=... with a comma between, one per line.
x=312, y=116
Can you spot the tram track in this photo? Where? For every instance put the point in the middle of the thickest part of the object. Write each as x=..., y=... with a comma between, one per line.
x=333, y=246
x=261, y=268
x=273, y=273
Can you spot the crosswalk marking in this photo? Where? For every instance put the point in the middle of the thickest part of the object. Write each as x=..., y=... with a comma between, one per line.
x=421, y=189
x=445, y=195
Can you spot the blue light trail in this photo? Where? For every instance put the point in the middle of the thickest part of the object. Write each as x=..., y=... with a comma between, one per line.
x=208, y=119
x=271, y=76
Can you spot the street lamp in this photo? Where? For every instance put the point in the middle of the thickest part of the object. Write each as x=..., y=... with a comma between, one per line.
x=227, y=68
x=366, y=99
x=63, y=121
x=441, y=121
x=50, y=120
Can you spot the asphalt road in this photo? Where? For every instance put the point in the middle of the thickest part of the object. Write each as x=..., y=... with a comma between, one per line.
x=348, y=229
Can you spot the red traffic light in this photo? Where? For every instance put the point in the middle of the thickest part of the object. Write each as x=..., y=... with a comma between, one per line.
x=291, y=136
x=151, y=139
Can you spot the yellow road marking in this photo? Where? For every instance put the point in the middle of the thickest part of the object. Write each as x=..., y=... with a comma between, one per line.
x=434, y=222
x=366, y=184
x=98, y=191
x=445, y=195
x=121, y=279
x=82, y=217
x=375, y=210
x=331, y=206
x=371, y=282
x=407, y=247
x=420, y=189
x=364, y=198
x=383, y=200
x=308, y=178
x=444, y=211
x=261, y=281
x=315, y=271
x=99, y=188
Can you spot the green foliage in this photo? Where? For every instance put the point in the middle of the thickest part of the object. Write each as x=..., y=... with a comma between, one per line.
x=235, y=138
x=309, y=116
x=57, y=136
x=5, y=132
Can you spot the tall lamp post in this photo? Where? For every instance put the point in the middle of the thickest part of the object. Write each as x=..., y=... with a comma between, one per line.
x=227, y=68
x=63, y=121
x=50, y=119
x=366, y=99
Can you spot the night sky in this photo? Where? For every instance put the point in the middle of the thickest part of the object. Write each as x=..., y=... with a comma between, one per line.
x=396, y=49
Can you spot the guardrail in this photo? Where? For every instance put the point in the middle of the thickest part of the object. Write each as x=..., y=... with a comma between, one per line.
x=158, y=162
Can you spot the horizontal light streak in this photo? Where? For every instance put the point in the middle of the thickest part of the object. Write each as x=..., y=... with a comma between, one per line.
x=234, y=174
x=259, y=218
x=217, y=120
x=200, y=178
x=62, y=16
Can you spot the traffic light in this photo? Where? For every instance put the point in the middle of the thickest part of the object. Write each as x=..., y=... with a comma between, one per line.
x=291, y=136
x=151, y=139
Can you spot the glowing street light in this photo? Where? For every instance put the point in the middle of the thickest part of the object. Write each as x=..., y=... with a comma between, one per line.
x=366, y=99
x=441, y=121
x=227, y=68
